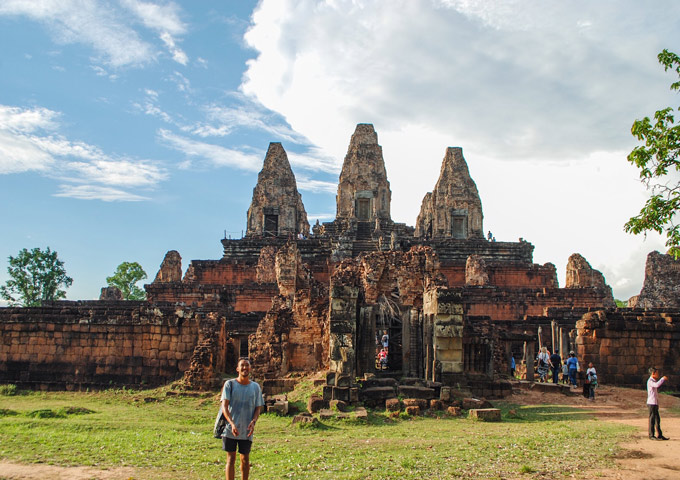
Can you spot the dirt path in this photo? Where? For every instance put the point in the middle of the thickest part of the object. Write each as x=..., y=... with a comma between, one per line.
x=37, y=471
x=640, y=459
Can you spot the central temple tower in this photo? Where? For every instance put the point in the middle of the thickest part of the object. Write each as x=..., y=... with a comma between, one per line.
x=363, y=192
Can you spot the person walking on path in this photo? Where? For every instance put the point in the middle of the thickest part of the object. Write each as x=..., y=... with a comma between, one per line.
x=591, y=380
x=242, y=403
x=572, y=363
x=543, y=364
x=556, y=364
x=653, y=385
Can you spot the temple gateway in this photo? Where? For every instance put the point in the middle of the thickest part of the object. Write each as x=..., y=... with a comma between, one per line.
x=449, y=306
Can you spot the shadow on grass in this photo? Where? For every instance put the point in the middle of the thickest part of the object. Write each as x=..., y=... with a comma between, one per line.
x=542, y=413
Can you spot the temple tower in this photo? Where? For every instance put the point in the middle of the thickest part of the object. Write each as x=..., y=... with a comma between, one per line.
x=276, y=209
x=363, y=191
x=453, y=209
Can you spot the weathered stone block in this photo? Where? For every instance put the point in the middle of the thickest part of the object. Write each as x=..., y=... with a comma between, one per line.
x=304, y=418
x=486, y=414
x=413, y=410
x=393, y=404
x=454, y=411
x=436, y=404
x=416, y=392
x=341, y=393
x=422, y=404
x=361, y=414
x=315, y=403
x=325, y=414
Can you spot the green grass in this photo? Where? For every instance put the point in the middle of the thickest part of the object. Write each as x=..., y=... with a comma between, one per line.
x=170, y=437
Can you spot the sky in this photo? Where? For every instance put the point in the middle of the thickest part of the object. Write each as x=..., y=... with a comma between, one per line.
x=130, y=128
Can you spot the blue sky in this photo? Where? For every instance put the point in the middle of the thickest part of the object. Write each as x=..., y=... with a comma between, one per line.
x=129, y=128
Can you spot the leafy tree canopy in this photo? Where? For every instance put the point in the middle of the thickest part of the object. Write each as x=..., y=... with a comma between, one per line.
x=659, y=162
x=125, y=277
x=35, y=276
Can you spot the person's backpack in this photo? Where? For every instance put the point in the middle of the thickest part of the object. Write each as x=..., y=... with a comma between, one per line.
x=221, y=420
x=593, y=379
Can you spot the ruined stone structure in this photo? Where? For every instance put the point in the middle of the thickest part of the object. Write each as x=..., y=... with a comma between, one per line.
x=452, y=305
x=661, y=288
x=277, y=207
x=453, y=209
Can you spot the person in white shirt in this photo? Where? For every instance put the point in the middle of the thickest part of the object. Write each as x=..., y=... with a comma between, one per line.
x=653, y=385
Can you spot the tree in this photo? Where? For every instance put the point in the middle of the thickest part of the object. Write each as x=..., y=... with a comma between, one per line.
x=35, y=276
x=659, y=155
x=125, y=277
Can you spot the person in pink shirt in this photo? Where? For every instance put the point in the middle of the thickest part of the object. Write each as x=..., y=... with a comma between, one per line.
x=653, y=385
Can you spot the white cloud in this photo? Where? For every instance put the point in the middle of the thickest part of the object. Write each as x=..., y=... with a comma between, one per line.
x=106, y=28
x=522, y=80
x=223, y=120
x=89, y=22
x=94, y=192
x=118, y=172
x=540, y=94
x=162, y=18
x=30, y=141
x=215, y=155
x=315, y=186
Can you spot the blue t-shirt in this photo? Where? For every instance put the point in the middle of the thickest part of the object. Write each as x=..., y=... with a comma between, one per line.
x=572, y=362
x=243, y=399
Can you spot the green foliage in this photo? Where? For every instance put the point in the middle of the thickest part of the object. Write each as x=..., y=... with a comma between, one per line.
x=659, y=155
x=125, y=277
x=8, y=390
x=35, y=276
x=621, y=303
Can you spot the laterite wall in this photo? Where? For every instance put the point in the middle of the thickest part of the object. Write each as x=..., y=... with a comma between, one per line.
x=96, y=344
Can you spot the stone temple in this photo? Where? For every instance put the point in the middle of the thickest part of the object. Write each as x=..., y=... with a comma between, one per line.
x=454, y=305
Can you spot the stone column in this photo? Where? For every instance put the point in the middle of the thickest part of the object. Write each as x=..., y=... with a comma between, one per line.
x=445, y=307
x=530, y=355
x=343, y=308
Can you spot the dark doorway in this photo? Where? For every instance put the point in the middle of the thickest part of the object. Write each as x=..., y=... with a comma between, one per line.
x=459, y=226
x=363, y=209
x=271, y=225
x=389, y=335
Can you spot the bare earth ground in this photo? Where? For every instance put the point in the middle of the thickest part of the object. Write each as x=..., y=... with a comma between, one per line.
x=639, y=459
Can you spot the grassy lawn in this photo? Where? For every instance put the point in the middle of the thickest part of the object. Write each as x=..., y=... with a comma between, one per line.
x=170, y=437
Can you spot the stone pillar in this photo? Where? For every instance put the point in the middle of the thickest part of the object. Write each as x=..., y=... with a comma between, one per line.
x=564, y=343
x=554, y=338
x=343, y=308
x=530, y=355
x=445, y=307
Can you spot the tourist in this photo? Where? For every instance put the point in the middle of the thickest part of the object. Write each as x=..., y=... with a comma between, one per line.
x=543, y=364
x=565, y=373
x=653, y=385
x=382, y=357
x=489, y=235
x=242, y=403
x=512, y=365
x=556, y=363
x=572, y=363
x=591, y=381
x=385, y=340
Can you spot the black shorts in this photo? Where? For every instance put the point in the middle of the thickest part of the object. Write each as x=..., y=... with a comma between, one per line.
x=229, y=445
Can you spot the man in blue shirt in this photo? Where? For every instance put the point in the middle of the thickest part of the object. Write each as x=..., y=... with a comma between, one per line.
x=242, y=403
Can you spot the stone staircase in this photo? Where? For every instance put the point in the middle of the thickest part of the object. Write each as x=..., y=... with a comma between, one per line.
x=364, y=240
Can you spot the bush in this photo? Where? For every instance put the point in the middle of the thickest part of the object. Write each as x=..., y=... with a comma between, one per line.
x=8, y=390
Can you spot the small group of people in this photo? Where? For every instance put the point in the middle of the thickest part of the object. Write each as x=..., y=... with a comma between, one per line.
x=570, y=368
x=382, y=348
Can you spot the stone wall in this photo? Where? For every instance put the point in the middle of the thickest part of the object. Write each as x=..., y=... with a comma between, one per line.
x=623, y=344
x=76, y=344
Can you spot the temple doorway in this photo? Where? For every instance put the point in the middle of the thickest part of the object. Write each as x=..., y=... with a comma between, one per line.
x=389, y=337
x=271, y=225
